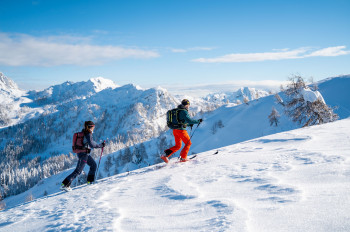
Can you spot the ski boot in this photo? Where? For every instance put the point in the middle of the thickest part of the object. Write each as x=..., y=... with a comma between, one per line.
x=65, y=188
x=183, y=160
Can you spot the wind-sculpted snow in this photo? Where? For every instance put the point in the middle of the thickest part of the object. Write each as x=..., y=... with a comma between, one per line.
x=291, y=181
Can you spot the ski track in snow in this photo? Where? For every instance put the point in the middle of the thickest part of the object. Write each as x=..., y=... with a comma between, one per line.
x=292, y=181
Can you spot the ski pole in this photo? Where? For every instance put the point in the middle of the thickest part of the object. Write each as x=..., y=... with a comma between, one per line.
x=194, y=131
x=99, y=162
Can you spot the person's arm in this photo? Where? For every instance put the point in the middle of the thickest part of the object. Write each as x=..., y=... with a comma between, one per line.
x=91, y=142
x=187, y=119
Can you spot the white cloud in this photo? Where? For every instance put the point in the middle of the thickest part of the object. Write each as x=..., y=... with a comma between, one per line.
x=331, y=51
x=283, y=54
x=183, y=50
x=178, y=50
x=25, y=50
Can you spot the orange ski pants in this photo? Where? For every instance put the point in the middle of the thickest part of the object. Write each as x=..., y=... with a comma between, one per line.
x=181, y=135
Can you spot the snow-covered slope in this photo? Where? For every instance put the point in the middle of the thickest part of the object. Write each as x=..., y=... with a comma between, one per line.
x=8, y=86
x=239, y=123
x=336, y=92
x=291, y=181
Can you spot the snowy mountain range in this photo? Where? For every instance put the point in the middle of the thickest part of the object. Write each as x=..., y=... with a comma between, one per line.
x=11, y=99
x=69, y=91
x=24, y=105
x=241, y=95
x=133, y=120
x=8, y=86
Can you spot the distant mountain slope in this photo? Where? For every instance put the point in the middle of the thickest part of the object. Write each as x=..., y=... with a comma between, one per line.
x=240, y=123
x=8, y=86
x=336, y=92
x=239, y=95
x=69, y=91
x=11, y=103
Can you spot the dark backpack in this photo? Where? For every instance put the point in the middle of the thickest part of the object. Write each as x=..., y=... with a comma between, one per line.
x=172, y=119
x=78, y=145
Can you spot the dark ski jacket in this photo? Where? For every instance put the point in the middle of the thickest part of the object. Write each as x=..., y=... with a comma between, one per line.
x=185, y=118
x=89, y=141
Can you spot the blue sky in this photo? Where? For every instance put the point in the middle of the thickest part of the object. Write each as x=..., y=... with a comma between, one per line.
x=172, y=43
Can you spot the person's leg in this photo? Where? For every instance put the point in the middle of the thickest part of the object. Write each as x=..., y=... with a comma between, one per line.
x=178, y=144
x=91, y=162
x=80, y=166
x=186, y=139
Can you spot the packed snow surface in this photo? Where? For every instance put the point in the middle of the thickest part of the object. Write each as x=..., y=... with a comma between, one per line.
x=291, y=181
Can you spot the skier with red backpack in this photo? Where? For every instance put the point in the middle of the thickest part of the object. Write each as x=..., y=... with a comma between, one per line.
x=82, y=145
x=178, y=119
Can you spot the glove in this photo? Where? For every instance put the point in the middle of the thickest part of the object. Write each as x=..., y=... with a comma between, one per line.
x=200, y=120
x=103, y=144
x=191, y=125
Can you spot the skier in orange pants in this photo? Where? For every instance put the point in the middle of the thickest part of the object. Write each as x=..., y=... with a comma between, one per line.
x=178, y=119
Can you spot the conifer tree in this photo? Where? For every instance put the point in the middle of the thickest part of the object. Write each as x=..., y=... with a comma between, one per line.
x=2, y=203
x=305, y=112
x=108, y=163
x=274, y=117
x=245, y=100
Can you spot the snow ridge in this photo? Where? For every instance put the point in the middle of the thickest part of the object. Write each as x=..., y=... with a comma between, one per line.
x=69, y=91
x=7, y=84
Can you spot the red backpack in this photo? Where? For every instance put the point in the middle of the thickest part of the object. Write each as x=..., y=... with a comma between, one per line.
x=78, y=143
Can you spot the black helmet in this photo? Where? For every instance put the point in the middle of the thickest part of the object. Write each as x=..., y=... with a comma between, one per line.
x=185, y=102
